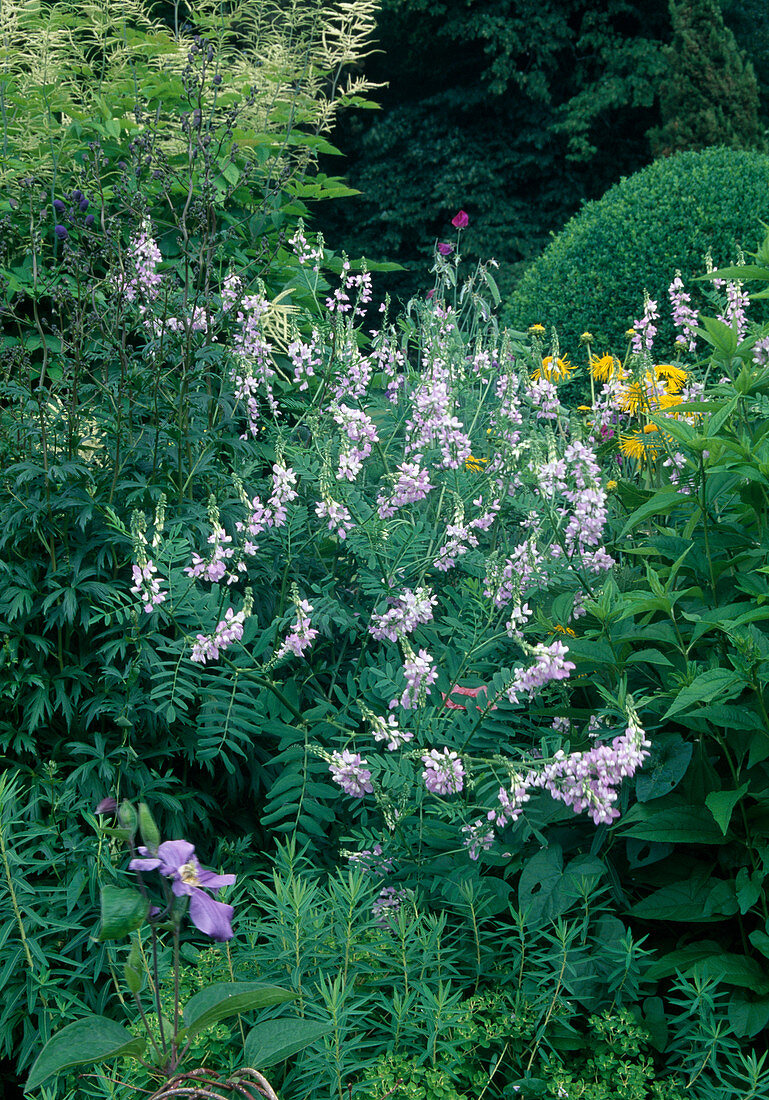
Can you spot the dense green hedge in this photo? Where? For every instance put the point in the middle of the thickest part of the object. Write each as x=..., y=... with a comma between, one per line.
x=664, y=217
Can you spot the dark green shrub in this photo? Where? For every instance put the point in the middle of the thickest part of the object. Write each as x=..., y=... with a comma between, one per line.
x=663, y=218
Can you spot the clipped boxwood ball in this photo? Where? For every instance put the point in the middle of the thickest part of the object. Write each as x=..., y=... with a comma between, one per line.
x=592, y=276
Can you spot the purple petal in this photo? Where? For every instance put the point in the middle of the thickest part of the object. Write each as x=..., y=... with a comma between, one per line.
x=212, y=881
x=212, y=917
x=143, y=864
x=174, y=854
x=181, y=888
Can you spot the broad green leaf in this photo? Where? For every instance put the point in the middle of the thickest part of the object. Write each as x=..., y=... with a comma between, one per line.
x=678, y=429
x=275, y=1040
x=748, y=889
x=666, y=770
x=642, y=853
x=721, y=804
x=649, y=657
x=122, y=912
x=737, y=970
x=715, y=683
x=539, y=887
x=217, y=1002
x=748, y=1017
x=760, y=941
x=86, y=1042
x=689, y=902
x=720, y=336
x=673, y=823
x=713, y=962
x=681, y=960
x=744, y=272
x=656, y=1024
x=660, y=504
x=716, y=422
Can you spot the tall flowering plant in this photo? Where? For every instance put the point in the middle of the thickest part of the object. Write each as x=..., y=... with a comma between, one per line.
x=420, y=528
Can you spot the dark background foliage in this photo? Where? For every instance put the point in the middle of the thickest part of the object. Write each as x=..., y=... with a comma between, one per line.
x=518, y=111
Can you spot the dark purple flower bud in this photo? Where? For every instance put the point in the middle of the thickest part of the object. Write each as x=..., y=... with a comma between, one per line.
x=445, y=249
x=83, y=204
x=77, y=195
x=59, y=206
x=60, y=232
x=107, y=806
x=157, y=174
x=90, y=221
x=218, y=79
x=122, y=165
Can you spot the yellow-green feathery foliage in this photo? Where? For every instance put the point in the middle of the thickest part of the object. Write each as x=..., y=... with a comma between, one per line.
x=74, y=70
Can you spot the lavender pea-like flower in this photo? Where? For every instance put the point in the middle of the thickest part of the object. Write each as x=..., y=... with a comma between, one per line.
x=176, y=860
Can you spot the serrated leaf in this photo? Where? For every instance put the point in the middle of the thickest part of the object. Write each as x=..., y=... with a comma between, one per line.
x=86, y=1042
x=222, y=999
x=275, y=1040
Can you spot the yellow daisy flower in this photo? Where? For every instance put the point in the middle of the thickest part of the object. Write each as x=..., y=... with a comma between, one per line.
x=554, y=373
x=605, y=367
x=675, y=377
x=536, y=330
x=611, y=484
x=476, y=464
x=635, y=446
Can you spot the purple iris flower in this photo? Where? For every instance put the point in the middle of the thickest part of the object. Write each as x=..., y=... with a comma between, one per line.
x=176, y=860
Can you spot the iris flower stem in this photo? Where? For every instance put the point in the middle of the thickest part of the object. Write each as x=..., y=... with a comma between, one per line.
x=156, y=977
x=174, y=1059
